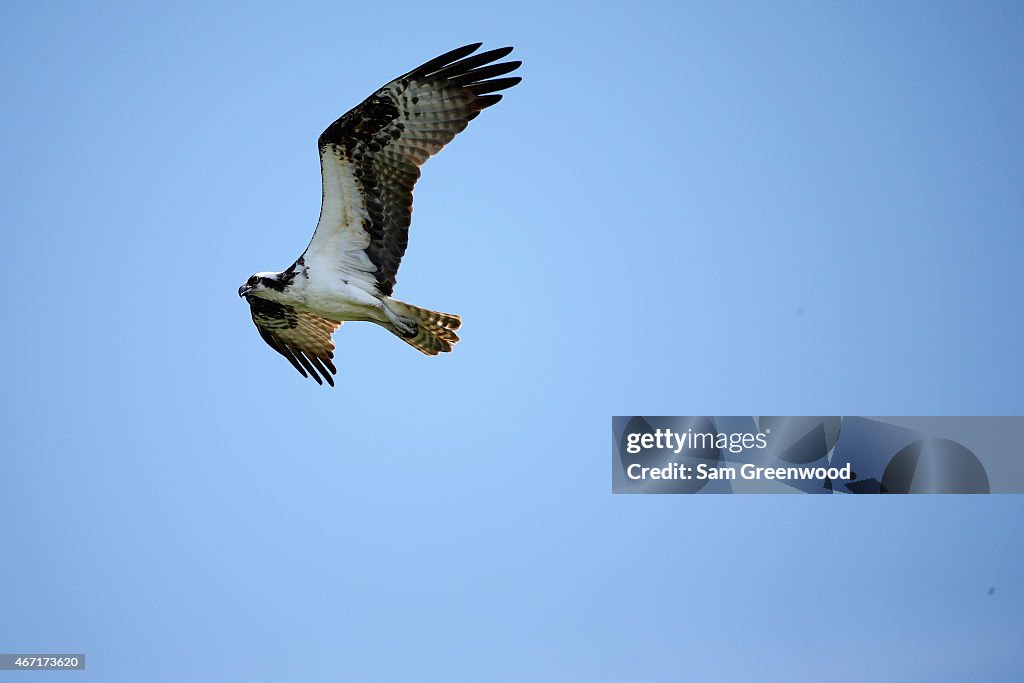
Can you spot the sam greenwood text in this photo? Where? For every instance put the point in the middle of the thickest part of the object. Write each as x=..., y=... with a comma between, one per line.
x=748, y=471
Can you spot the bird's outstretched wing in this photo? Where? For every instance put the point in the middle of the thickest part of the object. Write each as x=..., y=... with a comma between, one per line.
x=303, y=338
x=370, y=160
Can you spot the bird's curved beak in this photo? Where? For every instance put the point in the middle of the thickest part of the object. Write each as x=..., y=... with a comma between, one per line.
x=243, y=290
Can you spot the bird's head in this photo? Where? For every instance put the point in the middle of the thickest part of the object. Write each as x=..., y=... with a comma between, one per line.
x=260, y=284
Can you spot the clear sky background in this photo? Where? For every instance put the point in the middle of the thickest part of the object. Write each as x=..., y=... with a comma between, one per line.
x=692, y=209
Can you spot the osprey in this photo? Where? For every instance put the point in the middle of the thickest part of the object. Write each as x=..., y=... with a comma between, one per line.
x=369, y=162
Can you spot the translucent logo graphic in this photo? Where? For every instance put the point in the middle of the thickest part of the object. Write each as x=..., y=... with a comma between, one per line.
x=817, y=455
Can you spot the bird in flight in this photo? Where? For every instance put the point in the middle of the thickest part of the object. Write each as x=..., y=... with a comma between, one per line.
x=370, y=160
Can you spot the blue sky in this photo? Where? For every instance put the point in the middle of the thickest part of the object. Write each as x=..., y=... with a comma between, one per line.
x=692, y=209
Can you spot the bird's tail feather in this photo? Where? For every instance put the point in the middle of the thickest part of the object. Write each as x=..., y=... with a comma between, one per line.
x=435, y=332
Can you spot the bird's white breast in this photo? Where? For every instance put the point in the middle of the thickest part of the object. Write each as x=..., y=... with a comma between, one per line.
x=331, y=295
